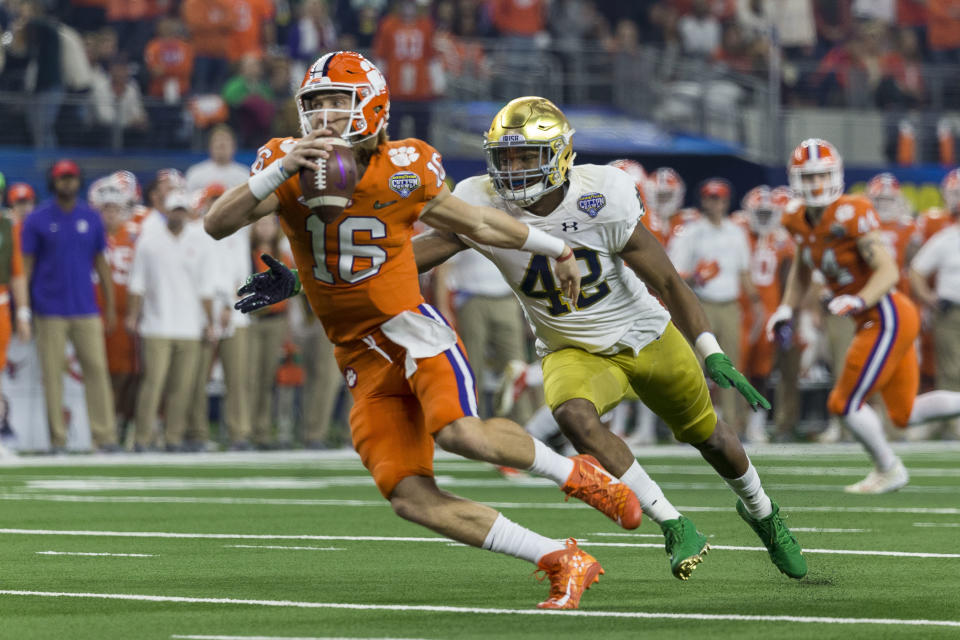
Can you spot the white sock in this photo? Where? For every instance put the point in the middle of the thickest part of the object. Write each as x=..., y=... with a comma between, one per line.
x=864, y=424
x=506, y=536
x=654, y=504
x=542, y=425
x=550, y=464
x=935, y=405
x=750, y=490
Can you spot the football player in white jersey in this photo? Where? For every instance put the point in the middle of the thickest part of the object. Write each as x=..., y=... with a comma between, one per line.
x=615, y=337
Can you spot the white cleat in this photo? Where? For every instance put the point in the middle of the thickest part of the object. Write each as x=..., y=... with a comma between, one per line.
x=882, y=481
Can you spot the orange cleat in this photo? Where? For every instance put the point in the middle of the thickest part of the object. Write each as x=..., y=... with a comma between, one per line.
x=571, y=572
x=592, y=483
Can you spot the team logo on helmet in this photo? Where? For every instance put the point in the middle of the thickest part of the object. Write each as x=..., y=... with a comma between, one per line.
x=404, y=183
x=591, y=203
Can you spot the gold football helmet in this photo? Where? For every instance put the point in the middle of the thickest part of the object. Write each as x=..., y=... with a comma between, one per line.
x=528, y=150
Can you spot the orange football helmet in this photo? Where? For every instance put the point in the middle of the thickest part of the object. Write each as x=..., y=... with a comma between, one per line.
x=127, y=183
x=106, y=191
x=884, y=192
x=351, y=73
x=20, y=191
x=816, y=157
x=666, y=190
x=950, y=188
x=764, y=208
x=633, y=169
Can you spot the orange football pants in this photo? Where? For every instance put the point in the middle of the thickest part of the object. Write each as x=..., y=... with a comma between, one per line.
x=6, y=326
x=394, y=417
x=882, y=357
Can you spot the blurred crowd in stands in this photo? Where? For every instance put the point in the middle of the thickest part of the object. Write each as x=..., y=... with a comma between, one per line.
x=151, y=72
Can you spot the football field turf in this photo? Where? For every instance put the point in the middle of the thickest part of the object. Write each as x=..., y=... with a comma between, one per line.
x=300, y=545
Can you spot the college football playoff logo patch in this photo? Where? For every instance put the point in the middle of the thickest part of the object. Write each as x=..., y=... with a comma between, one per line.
x=404, y=183
x=591, y=203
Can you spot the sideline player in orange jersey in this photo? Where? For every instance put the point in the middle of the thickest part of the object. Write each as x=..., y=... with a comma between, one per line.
x=411, y=384
x=839, y=235
x=771, y=251
x=110, y=196
x=12, y=280
x=897, y=226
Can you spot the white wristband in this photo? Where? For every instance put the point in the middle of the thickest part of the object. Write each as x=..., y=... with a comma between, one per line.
x=707, y=345
x=541, y=242
x=24, y=314
x=267, y=181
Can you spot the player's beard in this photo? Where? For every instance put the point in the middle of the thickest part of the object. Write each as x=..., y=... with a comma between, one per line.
x=364, y=151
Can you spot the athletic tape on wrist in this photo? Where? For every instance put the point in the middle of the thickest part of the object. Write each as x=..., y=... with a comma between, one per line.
x=707, y=344
x=267, y=181
x=541, y=242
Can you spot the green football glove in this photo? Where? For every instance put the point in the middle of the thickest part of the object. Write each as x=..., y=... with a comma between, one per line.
x=722, y=371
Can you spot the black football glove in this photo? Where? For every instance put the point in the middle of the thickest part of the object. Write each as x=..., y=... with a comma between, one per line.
x=268, y=287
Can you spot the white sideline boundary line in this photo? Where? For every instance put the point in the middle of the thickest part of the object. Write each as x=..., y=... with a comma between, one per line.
x=934, y=449
x=309, y=502
x=479, y=610
x=280, y=546
x=194, y=637
x=89, y=553
x=584, y=542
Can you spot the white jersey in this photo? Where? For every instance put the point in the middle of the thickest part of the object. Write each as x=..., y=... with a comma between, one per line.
x=596, y=218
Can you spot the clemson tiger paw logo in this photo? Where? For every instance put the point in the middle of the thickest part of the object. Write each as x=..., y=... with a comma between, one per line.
x=403, y=156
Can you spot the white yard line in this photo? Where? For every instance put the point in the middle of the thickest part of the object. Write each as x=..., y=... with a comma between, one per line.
x=247, y=536
x=84, y=553
x=486, y=611
x=828, y=530
x=310, y=502
x=605, y=534
x=948, y=525
x=278, y=546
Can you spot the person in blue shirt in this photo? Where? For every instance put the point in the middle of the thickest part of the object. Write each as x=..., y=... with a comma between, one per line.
x=63, y=242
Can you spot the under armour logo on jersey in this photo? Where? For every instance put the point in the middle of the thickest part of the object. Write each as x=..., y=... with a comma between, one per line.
x=570, y=225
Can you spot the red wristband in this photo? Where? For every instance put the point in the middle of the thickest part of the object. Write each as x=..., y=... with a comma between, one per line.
x=566, y=256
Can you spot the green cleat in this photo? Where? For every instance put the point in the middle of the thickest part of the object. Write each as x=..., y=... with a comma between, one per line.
x=685, y=545
x=784, y=550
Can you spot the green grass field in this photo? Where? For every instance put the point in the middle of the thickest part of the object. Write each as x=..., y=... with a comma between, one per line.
x=244, y=546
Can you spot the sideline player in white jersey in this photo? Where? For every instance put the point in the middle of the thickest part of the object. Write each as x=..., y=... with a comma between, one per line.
x=617, y=337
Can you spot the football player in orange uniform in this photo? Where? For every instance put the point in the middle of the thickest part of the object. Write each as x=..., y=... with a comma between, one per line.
x=664, y=197
x=411, y=383
x=897, y=227
x=771, y=251
x=111, y=196
x=839, y=235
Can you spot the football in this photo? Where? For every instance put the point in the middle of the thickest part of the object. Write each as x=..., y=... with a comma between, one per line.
x=328, y=192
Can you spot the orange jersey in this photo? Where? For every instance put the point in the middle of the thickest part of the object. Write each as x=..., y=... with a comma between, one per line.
x=932, y=220
x=677, y=223
x=249, y=16
x=359, y=271
x=897, y=236
x=407, y=49
x=767, y=256
x=168, y=58
x=120, y=344
x=831, y=245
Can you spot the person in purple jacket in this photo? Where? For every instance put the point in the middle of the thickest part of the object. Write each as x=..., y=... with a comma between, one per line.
x=63, y=242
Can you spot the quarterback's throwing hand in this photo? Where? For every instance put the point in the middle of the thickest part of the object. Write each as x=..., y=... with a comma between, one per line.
x=726, y=375
x=846, y=305
x=268, y=287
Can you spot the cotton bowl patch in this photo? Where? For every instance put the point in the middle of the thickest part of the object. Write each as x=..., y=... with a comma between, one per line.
x=404, y=183
x=591, y=203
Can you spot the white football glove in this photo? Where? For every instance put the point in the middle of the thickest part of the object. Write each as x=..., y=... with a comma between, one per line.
x=846, y=305
x=784, y=313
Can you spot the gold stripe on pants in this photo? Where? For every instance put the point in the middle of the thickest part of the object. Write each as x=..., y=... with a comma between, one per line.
x=86, y=335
